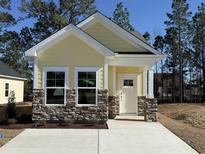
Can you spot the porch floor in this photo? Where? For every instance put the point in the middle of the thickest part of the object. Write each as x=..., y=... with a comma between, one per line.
x=132, y=117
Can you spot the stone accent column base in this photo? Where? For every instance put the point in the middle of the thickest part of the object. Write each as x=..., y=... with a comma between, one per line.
x=113, y=107
x=147, y=106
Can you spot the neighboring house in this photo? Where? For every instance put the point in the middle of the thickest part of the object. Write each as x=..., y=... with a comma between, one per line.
x=85, y=72
x=164, y=90
x=163, y=86
x=10, y=80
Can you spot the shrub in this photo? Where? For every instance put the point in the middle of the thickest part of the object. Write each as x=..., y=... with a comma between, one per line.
x=11, y=106
x=25, y=119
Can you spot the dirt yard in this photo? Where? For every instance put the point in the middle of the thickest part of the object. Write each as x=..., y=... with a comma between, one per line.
x=8, y=134
x=187, y=121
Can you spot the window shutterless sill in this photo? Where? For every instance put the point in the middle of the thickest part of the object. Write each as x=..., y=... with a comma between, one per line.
x=55, y=104
x=86, y=105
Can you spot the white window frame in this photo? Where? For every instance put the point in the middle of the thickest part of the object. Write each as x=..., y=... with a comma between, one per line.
x=55, y=69
x=87, y=69
x=6, y=89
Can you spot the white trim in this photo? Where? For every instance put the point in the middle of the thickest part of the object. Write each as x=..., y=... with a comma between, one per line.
x=151, y=84
x=106, y=75
x=66, y=31
x=139, y=56
x=114, y=80
x=12, y=77
x=56, y=69
x=127, y=75
x=133, y=61
x=35, y=73
x=86, y=69
x=117, y=30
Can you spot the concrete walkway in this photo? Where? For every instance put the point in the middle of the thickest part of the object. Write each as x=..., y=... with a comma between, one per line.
x=122, y=137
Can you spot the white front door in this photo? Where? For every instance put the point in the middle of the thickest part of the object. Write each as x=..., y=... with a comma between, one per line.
x=127, y=87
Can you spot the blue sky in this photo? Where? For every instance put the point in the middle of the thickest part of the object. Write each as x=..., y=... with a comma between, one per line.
x=145, y=15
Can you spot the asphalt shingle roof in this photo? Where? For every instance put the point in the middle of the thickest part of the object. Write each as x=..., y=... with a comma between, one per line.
x=8, y=71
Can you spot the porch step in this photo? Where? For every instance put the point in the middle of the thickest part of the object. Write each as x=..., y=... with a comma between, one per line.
x=130, y=117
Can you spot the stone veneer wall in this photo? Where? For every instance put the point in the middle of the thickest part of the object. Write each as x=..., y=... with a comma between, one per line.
x=141, y=105
x=151, y=104
x=70, y=112
x=113, y=107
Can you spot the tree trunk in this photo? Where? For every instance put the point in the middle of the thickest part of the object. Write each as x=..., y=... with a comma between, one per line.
x=173, y=85
x=162, y=80
x=203, y=67
x=190, y=97
x=180, y=66
x=156, y=82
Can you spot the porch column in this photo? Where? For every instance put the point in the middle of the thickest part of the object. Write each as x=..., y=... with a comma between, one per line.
x=145, y=83
x=106, y=75
x=35, y=73
x=150, y=87
x=114, y=80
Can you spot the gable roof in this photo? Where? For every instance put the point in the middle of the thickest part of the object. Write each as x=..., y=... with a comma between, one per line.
x=8, y=72
x=66, y=31
x=131, y=38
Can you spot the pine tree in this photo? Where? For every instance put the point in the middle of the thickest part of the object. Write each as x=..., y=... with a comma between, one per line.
x=52, y=15
x=10, y=49
x=6, y=19
x=159, y=44
x=179, y=21
x=147, y=36
x=198, y=31
x=172, y=60
x=121, y=17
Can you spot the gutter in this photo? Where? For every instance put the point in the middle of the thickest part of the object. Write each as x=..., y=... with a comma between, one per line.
x=12, y=77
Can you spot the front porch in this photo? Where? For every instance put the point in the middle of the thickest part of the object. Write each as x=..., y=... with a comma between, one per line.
x=130, y=117
x=130, y=84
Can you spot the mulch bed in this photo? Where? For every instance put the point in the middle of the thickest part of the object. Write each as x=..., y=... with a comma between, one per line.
x=54, y=125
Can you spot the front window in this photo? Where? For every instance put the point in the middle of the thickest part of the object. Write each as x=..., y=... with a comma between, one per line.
x=55, y=86
x=87, y=86
x=6, y=89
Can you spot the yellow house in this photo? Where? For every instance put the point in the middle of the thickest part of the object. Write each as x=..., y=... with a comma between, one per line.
x=92, y=71
x=10, y=80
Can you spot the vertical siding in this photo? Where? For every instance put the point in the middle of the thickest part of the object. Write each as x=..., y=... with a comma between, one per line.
x=110, y=80
x=140, y=83
x=101, y=78
x=14, y=85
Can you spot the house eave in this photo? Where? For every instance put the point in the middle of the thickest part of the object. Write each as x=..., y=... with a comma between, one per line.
x=13, y=77
x=68, y=30
x=161, y=56
x=134, y=60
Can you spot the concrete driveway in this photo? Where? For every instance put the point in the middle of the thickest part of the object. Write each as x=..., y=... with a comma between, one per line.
x=122, y=137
